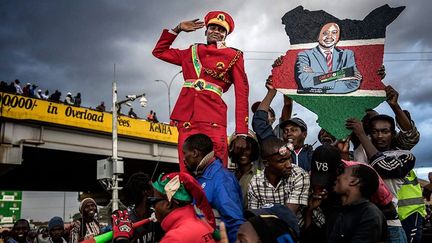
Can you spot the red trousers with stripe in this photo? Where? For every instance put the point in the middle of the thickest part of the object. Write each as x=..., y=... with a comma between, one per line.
x=217, y=134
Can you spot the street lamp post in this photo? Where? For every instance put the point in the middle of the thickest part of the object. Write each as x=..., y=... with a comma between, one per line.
x=114, y=159
x=117, y=163
x=169, y=90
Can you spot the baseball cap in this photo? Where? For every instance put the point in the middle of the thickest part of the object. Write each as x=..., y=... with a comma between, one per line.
x=274, y=223
x=326, y=160
x=295, y=121
x=255, y=105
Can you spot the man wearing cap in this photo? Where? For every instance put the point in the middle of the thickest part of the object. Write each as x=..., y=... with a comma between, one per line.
x=172, y=201
x=56, y=230
x=271, y=113
x=326, y=165
x=87, y=226
x=294, y=130
x=208, y=70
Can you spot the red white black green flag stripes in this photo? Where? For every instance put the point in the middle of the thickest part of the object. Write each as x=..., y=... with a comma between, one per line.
x=341, y=85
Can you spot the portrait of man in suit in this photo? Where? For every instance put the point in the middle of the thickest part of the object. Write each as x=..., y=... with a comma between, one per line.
x=326, y=69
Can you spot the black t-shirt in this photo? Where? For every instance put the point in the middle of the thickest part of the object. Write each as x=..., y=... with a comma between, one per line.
x=149, y=233
x=360, y=221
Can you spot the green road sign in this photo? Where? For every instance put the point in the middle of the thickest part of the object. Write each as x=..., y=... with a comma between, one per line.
x=10, y=206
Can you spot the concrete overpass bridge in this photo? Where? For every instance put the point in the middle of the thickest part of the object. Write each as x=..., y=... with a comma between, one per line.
x=48, y=146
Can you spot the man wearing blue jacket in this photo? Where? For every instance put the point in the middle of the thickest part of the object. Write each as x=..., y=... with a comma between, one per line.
x=220, y=186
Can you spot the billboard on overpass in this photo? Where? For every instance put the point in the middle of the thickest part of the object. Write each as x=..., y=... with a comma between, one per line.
x=26, y=108
x=10, y=206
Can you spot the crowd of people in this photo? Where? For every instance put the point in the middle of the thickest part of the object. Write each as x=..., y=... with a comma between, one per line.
x=330, y=197
x=32, y=90
x=359, y=189
x=56, y=231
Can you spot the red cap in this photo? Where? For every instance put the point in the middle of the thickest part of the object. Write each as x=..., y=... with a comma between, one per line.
x=220, y=18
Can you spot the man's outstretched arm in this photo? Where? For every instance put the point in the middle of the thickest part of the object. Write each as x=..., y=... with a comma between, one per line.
x=260, y=119
x=409, y=136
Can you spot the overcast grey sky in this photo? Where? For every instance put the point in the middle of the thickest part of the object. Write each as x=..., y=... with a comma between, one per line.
x=72, y=46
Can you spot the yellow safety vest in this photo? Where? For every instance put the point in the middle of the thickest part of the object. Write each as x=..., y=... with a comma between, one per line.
x=410, y=199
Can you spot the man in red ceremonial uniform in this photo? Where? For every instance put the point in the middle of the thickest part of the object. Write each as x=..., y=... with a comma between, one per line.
x=208, y=71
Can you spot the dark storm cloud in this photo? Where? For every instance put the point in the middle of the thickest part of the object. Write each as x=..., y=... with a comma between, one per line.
x=413, y=24
x=409, y=41
x=68, y=42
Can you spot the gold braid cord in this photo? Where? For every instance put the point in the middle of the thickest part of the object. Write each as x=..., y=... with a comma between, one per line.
x=221, y=75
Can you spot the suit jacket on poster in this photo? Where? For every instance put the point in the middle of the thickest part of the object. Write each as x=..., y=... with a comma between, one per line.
x=315, y=59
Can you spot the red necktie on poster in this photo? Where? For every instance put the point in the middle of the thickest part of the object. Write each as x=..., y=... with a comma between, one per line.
x=329, y=59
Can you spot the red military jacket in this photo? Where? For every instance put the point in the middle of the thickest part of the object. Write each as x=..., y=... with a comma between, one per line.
x=203, y=105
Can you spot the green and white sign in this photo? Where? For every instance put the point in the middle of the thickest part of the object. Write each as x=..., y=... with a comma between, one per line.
x=10, y=206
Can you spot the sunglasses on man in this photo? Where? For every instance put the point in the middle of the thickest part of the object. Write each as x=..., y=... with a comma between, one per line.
x=153, y=200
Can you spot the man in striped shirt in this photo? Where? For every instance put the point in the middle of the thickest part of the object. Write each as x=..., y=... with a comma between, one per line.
x=281, y=182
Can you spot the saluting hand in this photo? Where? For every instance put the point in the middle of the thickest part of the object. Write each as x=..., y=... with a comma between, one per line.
x=188, y=26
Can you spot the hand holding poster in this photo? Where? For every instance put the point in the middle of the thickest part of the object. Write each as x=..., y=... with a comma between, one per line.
x=331, y=66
